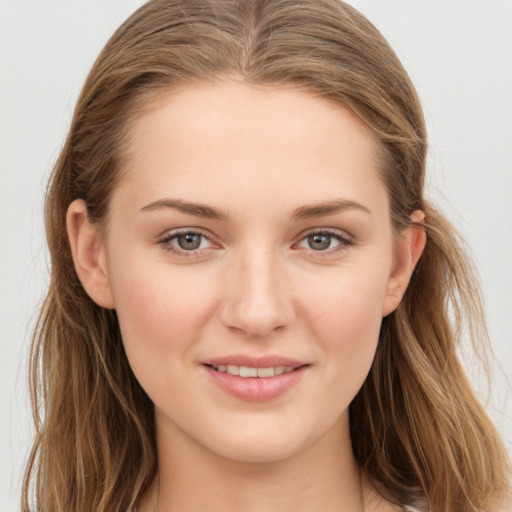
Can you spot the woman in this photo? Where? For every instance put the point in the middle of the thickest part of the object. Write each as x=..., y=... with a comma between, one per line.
x=250, y=296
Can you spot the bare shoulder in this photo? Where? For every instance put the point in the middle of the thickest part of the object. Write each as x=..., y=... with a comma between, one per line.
x=506, y=506
x=377, y=502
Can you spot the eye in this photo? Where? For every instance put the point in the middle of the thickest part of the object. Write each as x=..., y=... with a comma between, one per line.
x=189, y=241
x=185, y=241
x=324, y=241
x=320, y=241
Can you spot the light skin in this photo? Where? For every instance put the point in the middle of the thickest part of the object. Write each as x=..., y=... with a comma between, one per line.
x=249, y=220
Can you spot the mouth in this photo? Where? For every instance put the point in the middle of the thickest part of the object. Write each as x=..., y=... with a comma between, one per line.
x=256, y=380
x=251, y=371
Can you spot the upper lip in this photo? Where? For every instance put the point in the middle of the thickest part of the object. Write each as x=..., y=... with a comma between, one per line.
x=254, y=362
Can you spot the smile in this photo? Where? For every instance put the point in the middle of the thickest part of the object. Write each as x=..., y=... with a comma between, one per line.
x=248, y=371
x=255, y=379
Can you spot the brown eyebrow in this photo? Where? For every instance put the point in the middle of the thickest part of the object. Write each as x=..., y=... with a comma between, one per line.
x=304, y=212
x=327, y=208
x=196, y=209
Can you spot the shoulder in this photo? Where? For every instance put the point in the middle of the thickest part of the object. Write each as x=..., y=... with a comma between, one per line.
x=410, y=508
x=506, y=506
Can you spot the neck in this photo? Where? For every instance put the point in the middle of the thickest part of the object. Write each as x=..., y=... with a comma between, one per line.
x=323, y=476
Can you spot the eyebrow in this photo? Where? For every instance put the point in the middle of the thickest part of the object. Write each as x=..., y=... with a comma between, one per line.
x=304, y=212
x=196, y=209
x=327, y=208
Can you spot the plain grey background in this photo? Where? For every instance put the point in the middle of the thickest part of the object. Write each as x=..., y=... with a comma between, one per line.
x=459, y=55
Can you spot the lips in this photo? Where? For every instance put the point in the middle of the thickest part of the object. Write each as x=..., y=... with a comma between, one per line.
x=249, y=371
x=255, y=379
x=254, y=362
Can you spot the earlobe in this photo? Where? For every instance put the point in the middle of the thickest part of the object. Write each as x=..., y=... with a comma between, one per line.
x=410, y=246
x=89, y=256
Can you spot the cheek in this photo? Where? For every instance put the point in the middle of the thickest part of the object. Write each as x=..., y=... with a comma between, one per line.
x=345, y=316
x=350, y=301
x=160, y=313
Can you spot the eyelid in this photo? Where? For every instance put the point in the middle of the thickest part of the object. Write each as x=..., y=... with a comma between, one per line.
x=336, y=232
x=345, y=240
x=164, y=240
x=342, y=236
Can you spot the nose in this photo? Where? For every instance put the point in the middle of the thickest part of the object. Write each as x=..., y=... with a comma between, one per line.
x=257, y=297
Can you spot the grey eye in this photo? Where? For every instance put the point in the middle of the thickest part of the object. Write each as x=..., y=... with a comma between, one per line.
x=185, y=242
x=319, y=241
x=189, y=241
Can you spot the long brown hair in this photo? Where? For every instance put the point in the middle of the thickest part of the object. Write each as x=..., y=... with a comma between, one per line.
x=419, y=433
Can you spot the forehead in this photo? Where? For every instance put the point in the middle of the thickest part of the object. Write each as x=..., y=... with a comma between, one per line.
x=280, y=142
x=209, y=108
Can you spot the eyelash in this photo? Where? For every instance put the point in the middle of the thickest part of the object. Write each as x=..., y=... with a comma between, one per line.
x=165, y=241
x=343, y=241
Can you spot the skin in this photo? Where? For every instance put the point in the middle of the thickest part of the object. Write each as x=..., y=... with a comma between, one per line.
x=258, y=157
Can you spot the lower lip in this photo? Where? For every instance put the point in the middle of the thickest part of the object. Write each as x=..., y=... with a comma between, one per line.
x=256, y=389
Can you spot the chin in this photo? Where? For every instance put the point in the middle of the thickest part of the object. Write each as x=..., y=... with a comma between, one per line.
x=265, y=443
x=262, y=452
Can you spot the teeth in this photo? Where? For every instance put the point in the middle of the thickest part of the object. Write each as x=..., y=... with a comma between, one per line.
x=232, y=369
x=265, y=372
x=247, y=371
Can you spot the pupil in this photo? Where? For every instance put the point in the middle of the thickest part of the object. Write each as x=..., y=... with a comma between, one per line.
x=319, y=242
x=189, y=241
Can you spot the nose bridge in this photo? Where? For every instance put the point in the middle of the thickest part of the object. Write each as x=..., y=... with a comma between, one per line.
x=257, y=300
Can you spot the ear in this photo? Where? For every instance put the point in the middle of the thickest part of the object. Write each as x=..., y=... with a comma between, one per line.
x=89, y=256
x=410, y=246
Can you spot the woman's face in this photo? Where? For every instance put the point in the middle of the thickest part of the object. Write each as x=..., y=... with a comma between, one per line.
x=250, y=234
